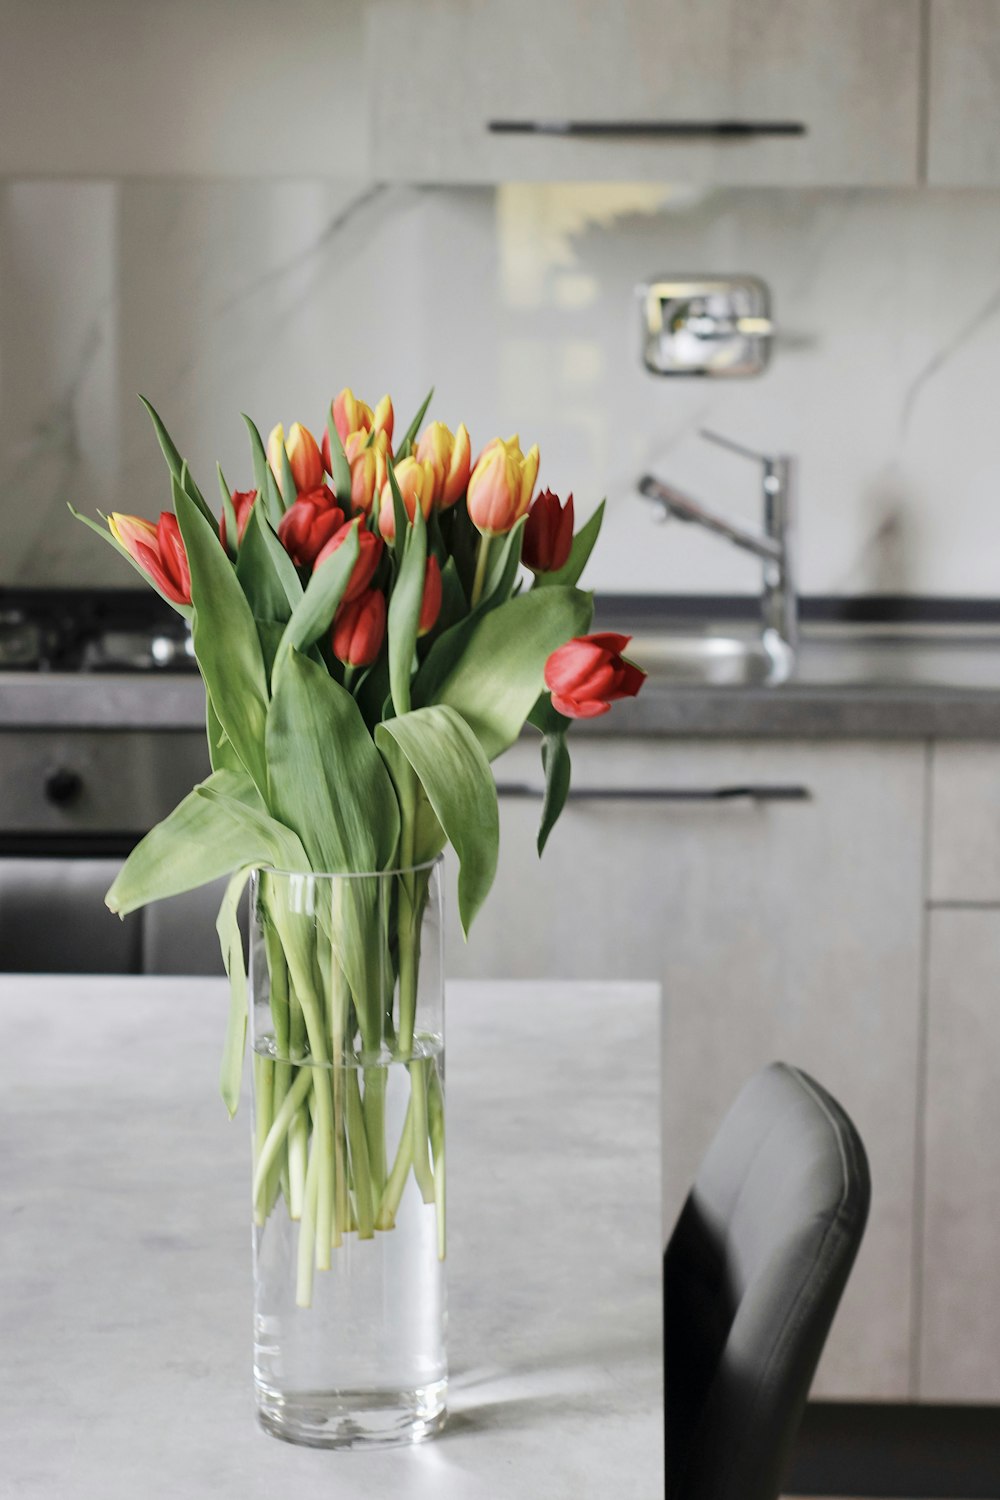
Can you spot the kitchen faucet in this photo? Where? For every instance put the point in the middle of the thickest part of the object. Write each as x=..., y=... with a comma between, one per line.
x=779, y=605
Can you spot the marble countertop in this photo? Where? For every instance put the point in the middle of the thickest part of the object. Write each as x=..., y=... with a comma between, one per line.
x=125, y=1285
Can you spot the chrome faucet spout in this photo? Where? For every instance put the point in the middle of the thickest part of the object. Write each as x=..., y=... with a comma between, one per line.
x=773, y=544
x=683, y=508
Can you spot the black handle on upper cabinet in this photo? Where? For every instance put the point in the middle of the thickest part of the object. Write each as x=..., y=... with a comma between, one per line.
x=748, y=793
x=651, y=129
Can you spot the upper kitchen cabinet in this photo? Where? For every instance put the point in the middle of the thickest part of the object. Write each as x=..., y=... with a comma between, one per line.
x=845, y=70
x=234, y=88
x=963, y=129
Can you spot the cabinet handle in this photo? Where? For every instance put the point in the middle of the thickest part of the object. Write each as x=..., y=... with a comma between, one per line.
x=650, y=129
x=748, y=793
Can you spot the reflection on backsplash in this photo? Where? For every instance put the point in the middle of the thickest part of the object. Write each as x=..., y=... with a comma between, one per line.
x=217, y=297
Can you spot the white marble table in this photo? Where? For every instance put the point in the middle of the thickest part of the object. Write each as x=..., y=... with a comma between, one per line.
x=125, y=1265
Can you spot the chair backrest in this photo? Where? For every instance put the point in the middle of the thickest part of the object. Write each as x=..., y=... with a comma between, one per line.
x=752, y=1277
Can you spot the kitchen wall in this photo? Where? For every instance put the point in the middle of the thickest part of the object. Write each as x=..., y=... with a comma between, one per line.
x=218, y=296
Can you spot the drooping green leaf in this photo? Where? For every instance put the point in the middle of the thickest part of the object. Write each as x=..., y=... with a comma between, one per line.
x=326, y=588
x=225, y=640
x=499, y=674
x=405, y=606
x=200, y=841
x=557, y=768
x=341, y=468
x=220, y=751
x=446, y=757
x=182, y=609
x=327, y=780
x=279, y=846
x=231, y=942
x=405, y=448
x=583, y=546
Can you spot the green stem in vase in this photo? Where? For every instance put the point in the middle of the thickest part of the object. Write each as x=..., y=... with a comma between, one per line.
x=263, y=1070
x=374, y=1114
x=386, y=1216
x=420, y=1129
x=364, y=1207
x=268, y=1154
x=435, y=1107
x=307, y=1234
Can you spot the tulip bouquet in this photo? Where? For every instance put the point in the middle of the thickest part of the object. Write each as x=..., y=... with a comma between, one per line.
x=369, y=643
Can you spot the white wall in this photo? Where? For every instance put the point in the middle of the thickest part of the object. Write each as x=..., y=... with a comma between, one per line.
x=214, y=297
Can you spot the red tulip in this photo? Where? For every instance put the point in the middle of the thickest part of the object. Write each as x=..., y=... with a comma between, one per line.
x=359, y=628
x=588, y=674
x=242, y=504
x=159, y=551
x=548, y=534
x=308, y=525
x=431, y=606
x=369, y=556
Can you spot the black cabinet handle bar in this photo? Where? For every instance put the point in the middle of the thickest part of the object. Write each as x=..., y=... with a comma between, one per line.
x=749, y=793
x=650, y=129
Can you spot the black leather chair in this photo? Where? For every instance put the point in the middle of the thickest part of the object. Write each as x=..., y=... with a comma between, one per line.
x=752, y=1277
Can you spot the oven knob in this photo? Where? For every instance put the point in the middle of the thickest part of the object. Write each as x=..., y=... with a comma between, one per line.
x=62, y=786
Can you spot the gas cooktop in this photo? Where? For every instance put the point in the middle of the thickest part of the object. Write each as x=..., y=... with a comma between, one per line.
x=110, y=630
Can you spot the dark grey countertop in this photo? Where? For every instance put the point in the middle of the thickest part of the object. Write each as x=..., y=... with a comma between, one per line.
x=879, y=710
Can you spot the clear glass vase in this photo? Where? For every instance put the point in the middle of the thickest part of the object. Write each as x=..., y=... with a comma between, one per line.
x=347, y=1016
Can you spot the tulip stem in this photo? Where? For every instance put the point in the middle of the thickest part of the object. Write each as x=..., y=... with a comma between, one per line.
x=348, y=676
x=481, y=558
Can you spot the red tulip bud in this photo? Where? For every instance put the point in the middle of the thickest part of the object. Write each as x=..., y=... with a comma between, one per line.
x=588, y=674
x=369, y=556
x=359, y=628
x=242, y=504
x=303, y=457
x=431, y=606
x=548, y=534
x=500, y=485
x=308, y=525
x=159, y=551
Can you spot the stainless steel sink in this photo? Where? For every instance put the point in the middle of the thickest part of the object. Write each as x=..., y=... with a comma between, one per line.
x=710, y=660
x=828, y=657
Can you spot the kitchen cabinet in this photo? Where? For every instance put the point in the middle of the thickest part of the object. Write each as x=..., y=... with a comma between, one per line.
x=959, y=1350
x=778, y=929
x=849, y=72
x=960, y=1313
x=963, y=100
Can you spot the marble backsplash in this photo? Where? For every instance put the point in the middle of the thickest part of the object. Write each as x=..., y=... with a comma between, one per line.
x=517, y=303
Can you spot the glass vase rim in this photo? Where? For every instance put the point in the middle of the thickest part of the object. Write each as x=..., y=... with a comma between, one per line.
x=415, y=869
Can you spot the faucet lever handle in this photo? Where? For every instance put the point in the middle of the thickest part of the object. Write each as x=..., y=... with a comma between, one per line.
x=768, y=460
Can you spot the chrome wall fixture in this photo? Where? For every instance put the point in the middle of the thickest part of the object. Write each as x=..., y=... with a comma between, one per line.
x=702, y=325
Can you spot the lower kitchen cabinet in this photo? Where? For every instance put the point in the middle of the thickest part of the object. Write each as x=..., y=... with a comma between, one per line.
x=960, y=1304
x=778, y=929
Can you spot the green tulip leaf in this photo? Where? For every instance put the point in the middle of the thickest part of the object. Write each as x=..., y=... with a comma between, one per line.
x=444, y=754
x=264, y=481
x=556, y=765
x=406, y=446
x=341, y=474
x=327, y=780
x=583, y=546
x=225, y=640
x=231, y=942
x=204, y=838
x=315, y=610
x=229, y=511
x=405, y=603
x=265, y=571
x=498, y=675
